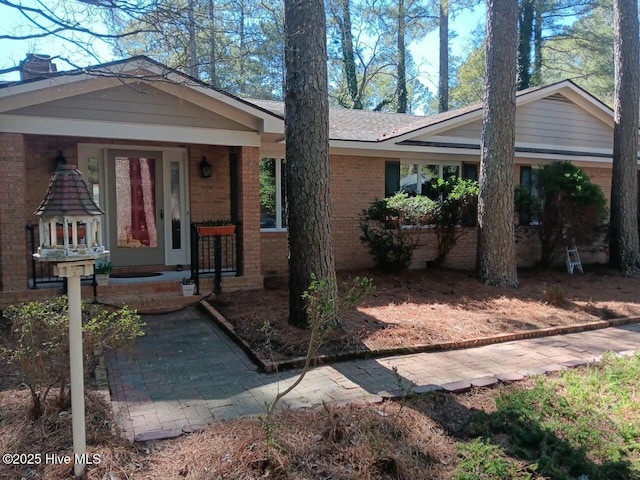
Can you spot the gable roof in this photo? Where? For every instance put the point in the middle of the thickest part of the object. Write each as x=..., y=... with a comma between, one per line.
x=58, y=85
x=367, y=126
x=344, y=124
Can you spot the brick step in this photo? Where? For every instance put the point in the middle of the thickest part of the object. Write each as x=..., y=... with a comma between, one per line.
x=151, y=302
x=169, y=286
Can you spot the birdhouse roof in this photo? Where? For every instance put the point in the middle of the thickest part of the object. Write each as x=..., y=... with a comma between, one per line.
x=68, y=195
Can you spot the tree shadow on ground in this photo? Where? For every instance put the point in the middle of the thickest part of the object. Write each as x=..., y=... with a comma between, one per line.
x=522, y=437
x=435, y=306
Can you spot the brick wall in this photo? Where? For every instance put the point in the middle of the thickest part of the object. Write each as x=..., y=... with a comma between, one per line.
x=209, y=197
x=275, y=256
x=356, y=181
x=601, y=177
x=249, y=244
x=13, y=250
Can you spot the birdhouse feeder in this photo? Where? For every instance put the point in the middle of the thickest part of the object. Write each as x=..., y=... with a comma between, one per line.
x=71, y=239
x=70, y=221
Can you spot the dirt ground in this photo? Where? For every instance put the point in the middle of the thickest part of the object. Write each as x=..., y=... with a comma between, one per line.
x=434, y=306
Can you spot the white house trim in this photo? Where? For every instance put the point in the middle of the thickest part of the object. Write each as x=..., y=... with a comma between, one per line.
x=126, y=131
x=565, y=88
x=139, y=70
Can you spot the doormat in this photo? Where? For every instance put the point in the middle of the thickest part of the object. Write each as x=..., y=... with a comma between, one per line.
x=135, y=275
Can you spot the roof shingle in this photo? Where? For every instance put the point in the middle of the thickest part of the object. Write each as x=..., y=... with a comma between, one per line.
x=68, y=195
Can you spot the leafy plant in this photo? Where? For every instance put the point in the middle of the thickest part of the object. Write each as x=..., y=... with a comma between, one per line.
x=457, y=206
x=324, y=316
x=103, y=267
x=480, y=459
x=218, y=222
x=583, y=423
x=390, y=228
x=554, y=295
x=568, y=205
x=40, y=350
x=187, y=281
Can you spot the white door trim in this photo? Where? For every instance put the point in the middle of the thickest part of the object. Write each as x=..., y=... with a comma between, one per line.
x=98, y=150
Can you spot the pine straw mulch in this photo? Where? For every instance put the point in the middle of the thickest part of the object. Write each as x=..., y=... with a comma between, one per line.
x=401, y=441
x=416, y=439
x=435, y=306
x=51, y=434
x=383, y=441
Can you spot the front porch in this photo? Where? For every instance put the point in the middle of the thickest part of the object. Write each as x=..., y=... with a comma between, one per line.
x=141, y=135
x=232, y=192
x=213, y=267
x=161, y=293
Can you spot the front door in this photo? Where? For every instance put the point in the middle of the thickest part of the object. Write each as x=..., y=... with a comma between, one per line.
x=136, y=207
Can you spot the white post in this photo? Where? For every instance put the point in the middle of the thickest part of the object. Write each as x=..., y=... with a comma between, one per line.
x=77, y=373
x=65, y=234
x=74, y=234
x=53, y=233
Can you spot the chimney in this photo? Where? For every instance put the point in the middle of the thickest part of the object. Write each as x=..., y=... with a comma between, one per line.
x=36, y=66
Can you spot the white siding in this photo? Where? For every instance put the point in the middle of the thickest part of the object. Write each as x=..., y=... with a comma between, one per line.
x=132, y=104
x=563, y=123
x=549, y=122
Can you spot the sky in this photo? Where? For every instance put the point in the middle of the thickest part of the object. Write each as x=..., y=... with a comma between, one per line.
x=12, y=22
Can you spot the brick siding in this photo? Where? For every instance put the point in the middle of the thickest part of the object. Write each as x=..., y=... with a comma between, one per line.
x=356, y=181
x=13, y=268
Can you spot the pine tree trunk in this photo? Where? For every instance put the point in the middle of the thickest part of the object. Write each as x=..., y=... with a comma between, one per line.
x=524, y=45
x=348, y=56
x=307, y=153
x=192, y=51
x=213, y=73
x=496, y=231
x=402, y=64
x=624, y=251
x=443, y=73
x=536, y=75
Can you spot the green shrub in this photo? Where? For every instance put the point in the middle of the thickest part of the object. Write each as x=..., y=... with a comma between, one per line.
x=40, y=346
x=387, y=228
x=568, y=206
x=457, y=206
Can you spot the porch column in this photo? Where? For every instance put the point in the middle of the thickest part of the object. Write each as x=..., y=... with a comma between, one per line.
x=13, y=240
x=249, y=242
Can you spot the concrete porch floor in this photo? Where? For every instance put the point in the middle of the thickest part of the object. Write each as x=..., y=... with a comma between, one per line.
x=161, y=293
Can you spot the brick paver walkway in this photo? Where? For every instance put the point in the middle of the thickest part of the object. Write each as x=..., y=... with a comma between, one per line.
x=185, y=373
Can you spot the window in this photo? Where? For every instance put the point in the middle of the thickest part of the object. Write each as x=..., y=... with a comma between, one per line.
x=419, y=178
x=273, y=214
x=90, y=164
x=470, y=171
x=525, y=213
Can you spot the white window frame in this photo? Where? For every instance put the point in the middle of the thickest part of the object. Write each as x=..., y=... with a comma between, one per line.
x=439, y=163
x=278, y=174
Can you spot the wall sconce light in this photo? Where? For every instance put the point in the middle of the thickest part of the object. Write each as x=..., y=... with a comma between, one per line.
x=205, y=168
x=60, y=160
